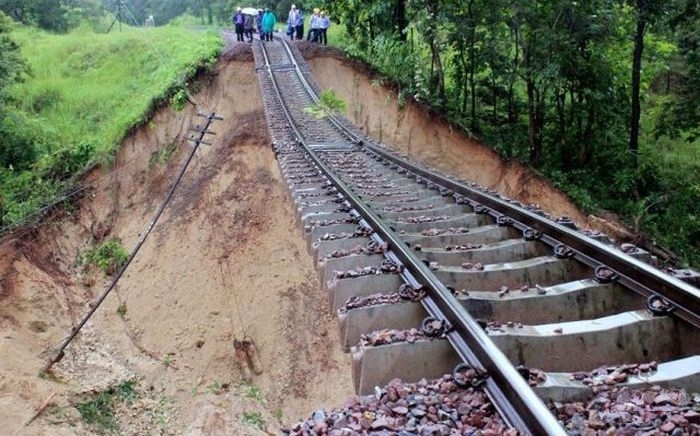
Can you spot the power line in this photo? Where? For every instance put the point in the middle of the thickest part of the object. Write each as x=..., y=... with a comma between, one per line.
x=118, y=17
x=94, y=306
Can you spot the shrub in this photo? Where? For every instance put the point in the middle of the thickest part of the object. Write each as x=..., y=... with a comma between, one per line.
x=108, y=256
x=100, y=409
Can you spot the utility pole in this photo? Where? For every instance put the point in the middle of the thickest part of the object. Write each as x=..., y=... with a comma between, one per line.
x=118, y=17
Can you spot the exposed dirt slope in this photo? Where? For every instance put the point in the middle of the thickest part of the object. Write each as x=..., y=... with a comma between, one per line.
x=225, y=260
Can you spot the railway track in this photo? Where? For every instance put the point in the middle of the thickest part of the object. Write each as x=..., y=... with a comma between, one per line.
x=430, y=275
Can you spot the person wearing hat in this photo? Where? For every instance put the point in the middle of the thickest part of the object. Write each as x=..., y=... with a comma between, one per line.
x=323, y=24
x=292, y=18
x=314, y=25
x=238, y=19
x=297, y=22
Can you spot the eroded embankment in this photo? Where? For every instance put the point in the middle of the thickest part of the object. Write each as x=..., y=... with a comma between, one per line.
x=430, y=139
x=226, y=260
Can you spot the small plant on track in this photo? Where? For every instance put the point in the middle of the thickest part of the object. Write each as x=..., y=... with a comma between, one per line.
x=329, y=103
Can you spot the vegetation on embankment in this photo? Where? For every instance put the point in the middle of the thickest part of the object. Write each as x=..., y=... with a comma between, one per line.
x=84, y=91
x=558, y=86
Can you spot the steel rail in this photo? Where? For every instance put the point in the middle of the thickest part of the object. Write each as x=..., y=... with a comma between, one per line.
x=635, y=274
x=509, y=391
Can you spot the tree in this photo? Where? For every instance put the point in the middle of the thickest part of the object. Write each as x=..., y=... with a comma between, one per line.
x=684, y=111
x=646, y=12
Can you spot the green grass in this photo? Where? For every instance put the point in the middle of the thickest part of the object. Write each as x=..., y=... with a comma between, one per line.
x=95, y=87
x=109, y=256
x=87, y=91
x=100, y=410
x=253, y=392
x=253, y=419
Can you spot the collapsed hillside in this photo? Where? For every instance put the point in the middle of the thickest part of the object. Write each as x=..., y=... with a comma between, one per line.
x=226, y=260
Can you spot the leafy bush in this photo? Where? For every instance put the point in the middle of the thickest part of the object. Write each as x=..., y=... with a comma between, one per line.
x=329, y=103
x=179, y=99
x=100, y=409
x=108, y=256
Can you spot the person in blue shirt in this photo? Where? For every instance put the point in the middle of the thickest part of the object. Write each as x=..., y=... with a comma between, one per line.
x=299, y=26
x=258, y=22
x=295, y=23
x=313, y=24
x=238, y=20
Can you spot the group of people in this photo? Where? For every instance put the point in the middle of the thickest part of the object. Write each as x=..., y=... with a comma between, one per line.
x=265, y=22
x=319, y=24
x=244, y=24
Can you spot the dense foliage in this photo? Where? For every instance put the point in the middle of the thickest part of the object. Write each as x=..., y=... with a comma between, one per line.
x=571, y=88
x=82, y=94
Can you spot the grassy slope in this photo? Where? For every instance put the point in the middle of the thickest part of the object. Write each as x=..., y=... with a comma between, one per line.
x=107, y=81
x=87, y=91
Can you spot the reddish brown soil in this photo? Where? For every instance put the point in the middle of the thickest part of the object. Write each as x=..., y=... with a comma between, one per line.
x=226, y=259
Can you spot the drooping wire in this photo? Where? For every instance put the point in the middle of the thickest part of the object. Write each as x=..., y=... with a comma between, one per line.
x=94, y=306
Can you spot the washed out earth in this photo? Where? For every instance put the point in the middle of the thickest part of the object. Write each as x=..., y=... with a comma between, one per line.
x=226, y=263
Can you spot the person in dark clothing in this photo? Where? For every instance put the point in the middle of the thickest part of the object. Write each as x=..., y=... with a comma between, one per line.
x=248, y=24
x=238, y=20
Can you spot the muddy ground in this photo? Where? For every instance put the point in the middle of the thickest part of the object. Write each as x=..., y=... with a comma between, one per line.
x=225, y=261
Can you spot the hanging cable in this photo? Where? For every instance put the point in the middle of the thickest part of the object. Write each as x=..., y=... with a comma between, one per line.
x=94, y=306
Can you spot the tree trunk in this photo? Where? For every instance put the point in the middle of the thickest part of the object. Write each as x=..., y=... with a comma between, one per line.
x=438, y=74
x=636, y=83
x=401, y=22
x=533, y=132
x=472, y=65
x=512, y=110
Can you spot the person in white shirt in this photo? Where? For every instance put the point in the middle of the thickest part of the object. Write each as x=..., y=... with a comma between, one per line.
x=314, y=25
x=323, y=24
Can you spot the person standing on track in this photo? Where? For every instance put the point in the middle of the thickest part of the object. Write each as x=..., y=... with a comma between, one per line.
x=268, y=24
x=323, y=24
x=248, y=24
x=294, y=21
x=237, y=20
x=258, y=23
x=299, y=26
